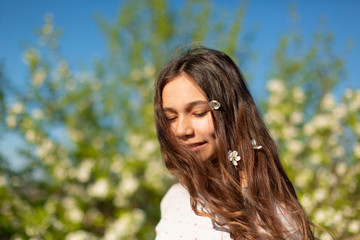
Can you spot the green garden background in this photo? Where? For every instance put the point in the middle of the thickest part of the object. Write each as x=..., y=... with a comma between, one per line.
x=104, y=177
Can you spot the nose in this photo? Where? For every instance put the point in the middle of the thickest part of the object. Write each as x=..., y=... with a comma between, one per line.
x=184, y=128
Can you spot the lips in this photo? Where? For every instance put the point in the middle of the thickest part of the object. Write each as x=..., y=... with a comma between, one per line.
x=196, y=146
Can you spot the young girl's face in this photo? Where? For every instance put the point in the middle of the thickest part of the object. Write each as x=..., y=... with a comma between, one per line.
x=189, y=116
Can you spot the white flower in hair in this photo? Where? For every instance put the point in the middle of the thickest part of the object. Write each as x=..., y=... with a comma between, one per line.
x=233, y=157
x=214, y=105
x=255, y=146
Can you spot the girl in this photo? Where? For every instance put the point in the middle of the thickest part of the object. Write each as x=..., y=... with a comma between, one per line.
x=231, y=182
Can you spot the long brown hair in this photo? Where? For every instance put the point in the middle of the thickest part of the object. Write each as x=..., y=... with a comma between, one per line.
x=215, y=187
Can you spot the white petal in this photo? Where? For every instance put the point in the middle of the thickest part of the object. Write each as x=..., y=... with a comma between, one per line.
x=235, y=163
x=237, y=158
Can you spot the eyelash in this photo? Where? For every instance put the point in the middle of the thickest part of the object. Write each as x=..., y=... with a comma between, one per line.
x=200, y=114
x=194, y=114
x=171, y=119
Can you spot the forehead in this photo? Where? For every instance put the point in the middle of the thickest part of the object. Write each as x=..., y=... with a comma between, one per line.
x=180, y=91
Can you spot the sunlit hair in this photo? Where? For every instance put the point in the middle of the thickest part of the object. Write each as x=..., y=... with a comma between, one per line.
x=215, y=186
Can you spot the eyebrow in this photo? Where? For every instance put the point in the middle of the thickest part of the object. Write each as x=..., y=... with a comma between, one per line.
x=188, y=106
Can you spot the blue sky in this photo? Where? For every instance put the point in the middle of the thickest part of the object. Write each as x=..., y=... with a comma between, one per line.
x=82, y=40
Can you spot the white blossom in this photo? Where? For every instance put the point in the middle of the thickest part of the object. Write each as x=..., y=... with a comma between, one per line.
x=298, y=95
x=316, y=158
x=309, y=129
x=128, y=184
x=48, y=28
x=357, y=150
x=117, y=164
x=127, y=225
x=11, y=121
x=31, y=55
x=99, y=189
x=315, y=142
x=149, y=71
x=352, y=186
x=75, y=134
x=39, y=77
x=68, y=202
x=320, y=216
x=340, y=111
x=339, y=151
x=50, y=206
x=31, y=230
x=306, y=201
x=155, y=174
x=354, y=226
x=75, y=214
x=349, y=93
x=84, y=170
x=45, y=148
x=295, y=146
x=333, y=140
x=30, y=135
x=332, y=179
x=79, y=235
x=60, y=171
x=304, y=177
x=354, y=105
x=349, y=211
x=49, y=159
x=320, y=194
x=321, y=121
x=274, y=116
x=325, y=236
x=37, y=113
x=3, y=181
x=336, y=218
x=328, y=102
x=357, y=128
x=290, y=132
x=17, y=108
x=296, y=117
x=63, y=69
x=233, y=157
x=148, y=147
x=276, y=86
x=275, y=99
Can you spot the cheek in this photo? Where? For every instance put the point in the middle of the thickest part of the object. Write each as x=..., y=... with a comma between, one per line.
x=172, y=128
x=206, y=127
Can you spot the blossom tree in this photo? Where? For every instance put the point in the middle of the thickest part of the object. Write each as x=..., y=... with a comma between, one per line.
x=92, y=165
x=317, y=134
x=93, y=168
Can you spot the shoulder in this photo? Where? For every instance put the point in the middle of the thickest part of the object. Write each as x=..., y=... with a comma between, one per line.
x=178, y=220
x=288, y=222
x=176, y=191
x=176, y=197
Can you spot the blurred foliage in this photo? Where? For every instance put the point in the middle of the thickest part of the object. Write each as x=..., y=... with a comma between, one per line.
x=318, y=136
x=93, y=166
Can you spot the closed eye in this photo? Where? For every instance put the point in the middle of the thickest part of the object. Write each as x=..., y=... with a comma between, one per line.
x=171, y=119
x=200, y=114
